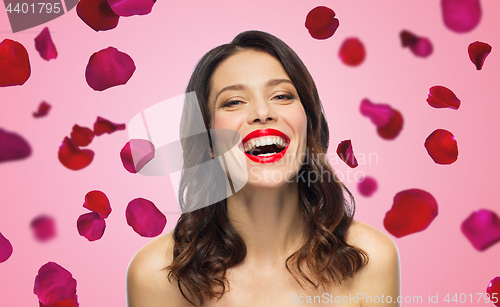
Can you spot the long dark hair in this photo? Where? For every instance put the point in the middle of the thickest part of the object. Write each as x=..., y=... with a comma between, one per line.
x=206, y=244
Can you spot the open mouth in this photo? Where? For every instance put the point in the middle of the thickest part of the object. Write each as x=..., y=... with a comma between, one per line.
x=265, y=145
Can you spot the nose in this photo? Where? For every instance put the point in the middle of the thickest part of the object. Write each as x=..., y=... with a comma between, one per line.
x=262, y=112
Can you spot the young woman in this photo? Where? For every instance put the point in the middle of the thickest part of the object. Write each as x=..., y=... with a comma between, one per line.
x=288, y=236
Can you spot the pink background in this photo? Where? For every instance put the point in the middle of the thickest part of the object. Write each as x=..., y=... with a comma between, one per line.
x=166, y=45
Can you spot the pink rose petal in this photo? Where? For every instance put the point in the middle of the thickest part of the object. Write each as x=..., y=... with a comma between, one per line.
x=352, y=51
x=392, y=129
x=136, y=154
x=442, y=97
x=72, y=157
x=478, y=51
x=413, y=210
x=43, y=110
x=368, y=186
x=72, y=302
x=15, y=66
x=482, y=228
x=45, y=46
x=442, y=146
x=408, y=38
x=321, y=22
x=345, y=152
x=131, y=7
x=107, y=68
x=145, y=218
x=103, y=125
x=5, y=248
x=13, y=146
x=380, y=114
x=91, y=226
x=423, y=48
x=43, y=227
x=461, y=15
x=98, y=202
x=82, y=136
x=494, y=290
x=97, y=14
x=54, y=284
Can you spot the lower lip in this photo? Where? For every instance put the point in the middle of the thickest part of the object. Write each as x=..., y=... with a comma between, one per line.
x=268, y=159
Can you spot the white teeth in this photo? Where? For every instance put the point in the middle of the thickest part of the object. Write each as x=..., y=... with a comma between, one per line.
x=267, y=154
x=269, y=141
x=252, y=144
x=263, y=141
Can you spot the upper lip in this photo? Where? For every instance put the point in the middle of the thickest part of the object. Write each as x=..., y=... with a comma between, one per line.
x=265, y=132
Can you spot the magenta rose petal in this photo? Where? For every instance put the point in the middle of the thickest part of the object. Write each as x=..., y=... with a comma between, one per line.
x=368, y=186
x=107, y=68
x=45, y=46
x=54, y=284
x=136, y=154
x=5, y=248
x=82, y=136
x=493, y=290
x=413, y=210
x=43, y=110
x=143, y=216
x=321, y=22
x=442, y=97
x=482, y=229
x=72, y=302
x=13, y=146
x=97, y=14
x=352, y=51
x=103, y=125
x=72, y=157
x=392, y=129
x=408, y=38
x=15, y=66
x=345, y=152
x=478, y=51
x=91, y=226
x=380, y=114
x=131, y=7
x=461, y=15
x=423, y=48
x=442, y=146
x=44, y=228
x=98, y=202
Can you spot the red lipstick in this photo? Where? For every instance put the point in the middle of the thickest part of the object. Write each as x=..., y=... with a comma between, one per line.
x=267, y=132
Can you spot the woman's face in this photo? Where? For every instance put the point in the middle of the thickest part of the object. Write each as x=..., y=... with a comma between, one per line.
x=252, y=94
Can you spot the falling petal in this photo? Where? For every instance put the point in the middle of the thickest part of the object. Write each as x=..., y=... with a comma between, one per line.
x=136, y=154
x=392, y=129
x=442, y=146
x=145, y=218
x=131, y=7
x=107, y=68
x=442, y=97
x=321, y=22
x=461, y=15
x=345, y=152
x=82, y=136
x=103, y=125
x=13, y=146
x=45, y=46
x=98, y=202
x=368, y=186
x=379, y=113
x=72, y=157
x=91, y=226
x=408, y=38
x=43, y=110
x=352, y=52
x=97, y=14
x=478, y=51
x=44, y=228
x=15, y=66
x=494, y=290
x=72, y=302
x=5, y=248
x=482, y=228
x=54, y=284
x=413, y=210
x=423, y=48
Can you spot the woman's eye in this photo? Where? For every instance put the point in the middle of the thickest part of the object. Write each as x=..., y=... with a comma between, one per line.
x=231, y=104
x=284, y=97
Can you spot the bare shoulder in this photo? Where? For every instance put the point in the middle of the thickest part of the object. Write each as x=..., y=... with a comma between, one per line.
x=373, y=241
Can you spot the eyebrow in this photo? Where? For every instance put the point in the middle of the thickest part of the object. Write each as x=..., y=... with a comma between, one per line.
x=236, y=87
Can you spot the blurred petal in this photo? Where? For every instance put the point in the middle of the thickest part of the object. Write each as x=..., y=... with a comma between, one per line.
x=44, y=228
x=72, y=157
x=494, y=290
x=5, y=248
x=131, y=7
x=442, y=146
x=45, y=46
x=321, y=22
x=392, y=129
x=368, y=186
x=91, y=226
x=413, y=210
x=97, y=14
x=54, y=284
x=461, y=15
x=43, y=110
x=379, y=113
x=103, y=125
x=145, y=218
x=442, y=97
x=98, y=202
x=423, y=48
x=72, y=302
x=478, y=51
x=13, y=146
x=352, y=52
x=107, y=68
x=345, y=152
x=82, y=136
x=408, y=38
x=15, y=66
x=482, y=228
x=136, y=154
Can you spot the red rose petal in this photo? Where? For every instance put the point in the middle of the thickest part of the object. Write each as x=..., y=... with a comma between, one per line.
x=97, y=14
x=44, y=228
x=321, y=22
x=136, y=154
x=145, y=218
x=408, y=38
x=107, y=68
x=345, y=152
x=15, y=66
x=72, y=302
x=13, y=146
x=368, y=186
x=413, y=210
x=379, y=113
x=45, y=46
x=54, y=284
x=103, y=125
x=72, y=157
x=478, y=51
x=43, y=110
x=494, y=290
x=442, y=97
x=98, y=202
x=82, y=136
x=442, y=146
x=423, y=48
x=352, y=52
x=461, y=15
x=482, y=228
x=91, y=226
x=5, y=248
x=392, y=129
x=131, y=7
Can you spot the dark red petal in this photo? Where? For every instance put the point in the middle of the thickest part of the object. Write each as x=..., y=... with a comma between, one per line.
x=43, y=110
x=131, y=7
x=98, y=202
x=15, y=66
x=136, y=154
x=392, y=129
x=82, y=136
x=482, y=228
x=13, y=146
x=494, y=290
x=413, y=210
x=72, y=302
x=97, y=14
x=5, y=248
x=145, y=218
x=423, y=48
x=54, y=284
x=442, y=146
x=72, y=157
x=379, y=113
x=45, y=46
x=321, y=22
x=103, y=125
x=44, y=228
x=352, y=52
x=107, y=68
x=408, y=38
x=478, y=51
x=91, y=226
x=442, y=97
x=345, y=152
x=461, y=15
x=368, y=186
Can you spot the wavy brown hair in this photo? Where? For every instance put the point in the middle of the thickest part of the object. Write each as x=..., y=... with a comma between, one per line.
x=206, y=244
